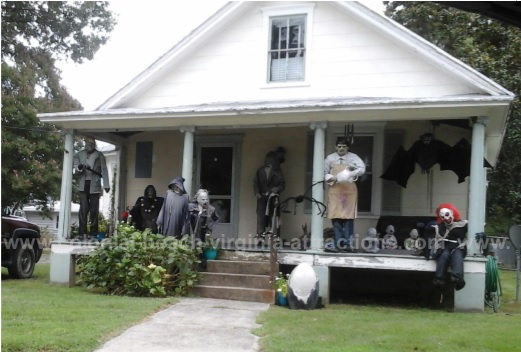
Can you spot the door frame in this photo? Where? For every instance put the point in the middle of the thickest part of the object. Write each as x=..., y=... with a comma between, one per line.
x=229, y=140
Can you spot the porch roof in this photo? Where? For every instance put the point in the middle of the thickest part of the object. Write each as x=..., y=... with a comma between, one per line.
x=106, y=124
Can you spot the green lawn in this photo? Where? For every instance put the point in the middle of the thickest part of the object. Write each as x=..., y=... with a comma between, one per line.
x=40, y=317
x=37, y=316
x=344, y=327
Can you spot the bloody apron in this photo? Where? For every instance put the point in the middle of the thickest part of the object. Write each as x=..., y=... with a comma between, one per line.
x=342, y=197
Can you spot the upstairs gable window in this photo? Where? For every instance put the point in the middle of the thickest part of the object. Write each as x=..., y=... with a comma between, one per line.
x=288, y=44
x=287, y=51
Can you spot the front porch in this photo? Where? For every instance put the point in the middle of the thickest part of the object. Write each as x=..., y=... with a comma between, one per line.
x=367, y=269
x=376, y=274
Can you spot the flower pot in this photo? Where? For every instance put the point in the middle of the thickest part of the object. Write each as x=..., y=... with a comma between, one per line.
x=281, y=300
x=210, y=253
x=101, y=236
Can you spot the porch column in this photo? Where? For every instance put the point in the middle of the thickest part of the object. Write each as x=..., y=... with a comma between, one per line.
x=188, y=157
x=317, y=192
x=121, y=183
x=64, y=222
x=477, y=198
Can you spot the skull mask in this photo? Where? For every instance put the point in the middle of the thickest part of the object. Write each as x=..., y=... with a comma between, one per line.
x=446, y=215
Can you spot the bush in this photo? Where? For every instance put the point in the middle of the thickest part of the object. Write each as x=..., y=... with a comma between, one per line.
x=135, y=263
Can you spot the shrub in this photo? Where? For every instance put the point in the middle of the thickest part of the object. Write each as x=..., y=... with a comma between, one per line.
x=135, y=263
x=281, y=283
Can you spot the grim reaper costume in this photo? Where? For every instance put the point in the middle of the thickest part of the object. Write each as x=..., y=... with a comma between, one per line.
x=173, y=219
x=146, y=210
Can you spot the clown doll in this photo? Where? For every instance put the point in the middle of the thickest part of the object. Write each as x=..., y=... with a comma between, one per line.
x=450, y=245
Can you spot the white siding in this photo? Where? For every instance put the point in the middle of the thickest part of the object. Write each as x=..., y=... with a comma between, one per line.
x=48, y=224
x=348, y=59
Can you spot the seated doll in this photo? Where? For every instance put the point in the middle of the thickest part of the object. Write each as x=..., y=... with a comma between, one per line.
x=389, y=240
x=412, y=244
x=370, y=242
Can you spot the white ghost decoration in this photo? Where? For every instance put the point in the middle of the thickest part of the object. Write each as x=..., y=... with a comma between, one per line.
x=303, y=287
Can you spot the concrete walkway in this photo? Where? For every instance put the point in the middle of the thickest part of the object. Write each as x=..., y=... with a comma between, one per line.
x=194, y=324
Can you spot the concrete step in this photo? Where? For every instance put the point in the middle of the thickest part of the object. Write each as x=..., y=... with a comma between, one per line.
x=236, y=280
x=238, y=267
x=235, y=293
x=256, y=256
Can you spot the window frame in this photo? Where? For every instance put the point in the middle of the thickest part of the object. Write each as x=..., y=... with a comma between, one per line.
x=284, y=11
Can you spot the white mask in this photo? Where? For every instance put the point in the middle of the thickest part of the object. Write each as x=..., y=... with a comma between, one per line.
x=202, y=199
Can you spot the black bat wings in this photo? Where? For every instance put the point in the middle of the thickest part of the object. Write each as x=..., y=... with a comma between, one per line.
x=427, y=152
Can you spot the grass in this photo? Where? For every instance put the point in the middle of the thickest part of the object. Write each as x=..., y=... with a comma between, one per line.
x=37, y=316
x=344, y=327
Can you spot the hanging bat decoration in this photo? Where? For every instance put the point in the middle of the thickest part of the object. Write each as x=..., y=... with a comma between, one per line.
x=426, y=152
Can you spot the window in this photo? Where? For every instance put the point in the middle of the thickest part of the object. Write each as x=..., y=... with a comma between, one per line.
x=287, y=48
x=287, y=30
x=143, y=167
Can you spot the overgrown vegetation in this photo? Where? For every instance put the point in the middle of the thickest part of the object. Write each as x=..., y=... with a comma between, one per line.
x=135, y=263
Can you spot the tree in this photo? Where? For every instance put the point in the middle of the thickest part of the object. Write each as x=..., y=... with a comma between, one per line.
x=35, y=34
x=494, y=49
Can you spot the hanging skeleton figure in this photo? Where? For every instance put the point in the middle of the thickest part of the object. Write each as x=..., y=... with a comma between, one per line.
x=427, y=152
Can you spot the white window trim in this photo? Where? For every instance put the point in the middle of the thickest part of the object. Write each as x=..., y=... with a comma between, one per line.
x=267, y=13
x=377, y=130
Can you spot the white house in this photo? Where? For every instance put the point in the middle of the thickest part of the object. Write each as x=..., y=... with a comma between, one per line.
x=49, y=224
x=233, y=89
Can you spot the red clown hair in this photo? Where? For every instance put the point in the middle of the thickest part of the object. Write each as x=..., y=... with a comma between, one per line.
x=457, y=215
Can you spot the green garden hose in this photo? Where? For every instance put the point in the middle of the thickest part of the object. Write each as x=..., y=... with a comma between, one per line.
x=492, y=283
